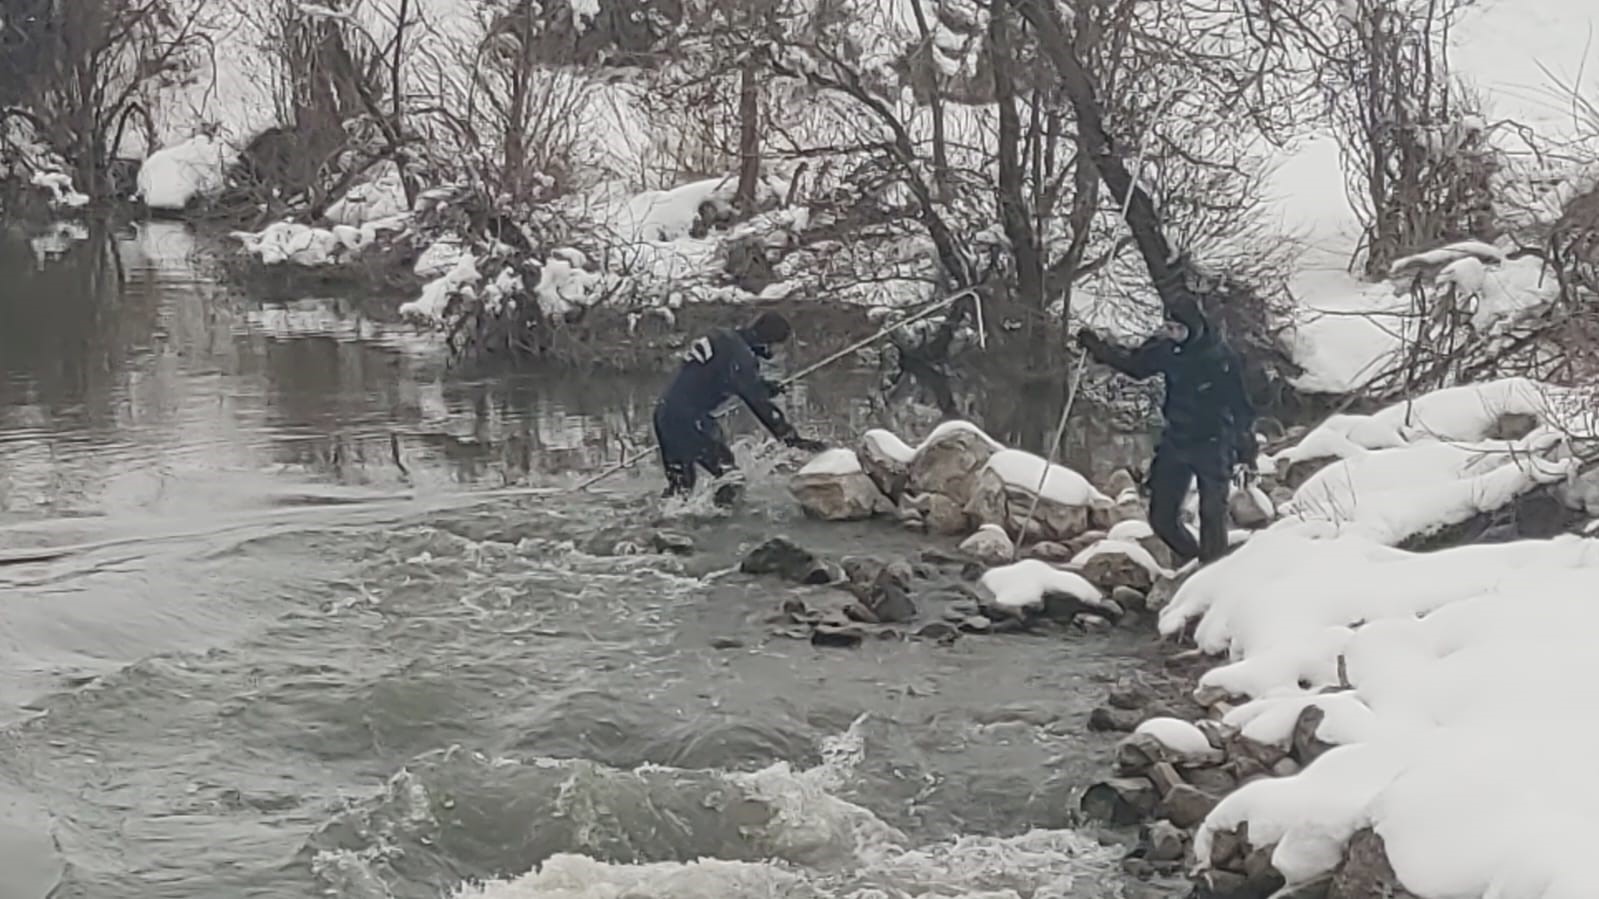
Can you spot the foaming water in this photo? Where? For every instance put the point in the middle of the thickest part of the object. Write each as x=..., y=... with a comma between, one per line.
x=658, y=832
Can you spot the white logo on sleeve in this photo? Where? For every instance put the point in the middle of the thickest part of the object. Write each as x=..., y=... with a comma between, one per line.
x=700, y=351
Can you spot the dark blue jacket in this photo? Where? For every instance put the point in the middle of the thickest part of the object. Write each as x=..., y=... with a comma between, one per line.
x=721, y=365
x=1206, y=402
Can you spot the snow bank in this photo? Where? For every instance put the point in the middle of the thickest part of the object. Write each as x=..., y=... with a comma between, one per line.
x=176, y=175
x=1438, y=676
x=1023, y=470
x=1467, y=413
x=1349, y=332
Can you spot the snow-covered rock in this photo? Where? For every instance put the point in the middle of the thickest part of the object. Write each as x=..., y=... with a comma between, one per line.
x=834, y=487
x=1109, y=564
x=990, y=545
x=949, y=460
x=176, y=175
x=886, y=460
x=1026, y=588
x=1010, y=481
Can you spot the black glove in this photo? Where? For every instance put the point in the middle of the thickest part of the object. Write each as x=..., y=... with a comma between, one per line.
x=1089, y=340
x=1247, y=449
x=805, y=443
x=774, y=388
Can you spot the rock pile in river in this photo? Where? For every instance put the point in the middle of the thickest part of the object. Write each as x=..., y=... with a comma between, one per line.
x=1003, y=505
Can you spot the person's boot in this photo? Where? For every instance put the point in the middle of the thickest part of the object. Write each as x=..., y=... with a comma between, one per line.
x=728, y=489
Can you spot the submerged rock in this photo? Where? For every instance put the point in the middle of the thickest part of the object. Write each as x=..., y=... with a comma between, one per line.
x=1106, y=719
x=1121, y=801
x=942, y=631
x=838, y=635
x=671, y=542
x=782, y=557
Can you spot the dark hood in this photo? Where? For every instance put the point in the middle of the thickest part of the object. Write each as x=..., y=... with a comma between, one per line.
x=1186, y=310
x=763, y=350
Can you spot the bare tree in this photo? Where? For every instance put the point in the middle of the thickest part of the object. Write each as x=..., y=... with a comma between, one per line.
x=80, y=69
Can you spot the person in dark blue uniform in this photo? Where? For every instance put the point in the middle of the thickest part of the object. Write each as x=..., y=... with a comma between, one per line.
x=720, y=365
x=1209, y=434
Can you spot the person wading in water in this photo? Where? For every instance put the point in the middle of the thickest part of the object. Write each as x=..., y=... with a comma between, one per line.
x=718, y=366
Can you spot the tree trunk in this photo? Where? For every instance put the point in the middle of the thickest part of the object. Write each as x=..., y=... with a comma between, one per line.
x=1142, y=218
x=749, y=136
x=936, y=104
x=1013, y=207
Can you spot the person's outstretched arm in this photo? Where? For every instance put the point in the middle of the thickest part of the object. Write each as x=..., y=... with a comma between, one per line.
x=743, y=371
x=1145, y=361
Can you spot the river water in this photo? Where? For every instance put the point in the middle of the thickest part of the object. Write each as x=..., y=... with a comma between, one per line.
x=266, y=630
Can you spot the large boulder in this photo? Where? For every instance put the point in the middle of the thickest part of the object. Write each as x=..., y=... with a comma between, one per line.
x=834, y=487
x=886, y=460
x=1010, y=482
x=949, y=460
x=946, y=517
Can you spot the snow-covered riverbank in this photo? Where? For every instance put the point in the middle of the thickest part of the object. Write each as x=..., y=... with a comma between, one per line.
x=1379, y=706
